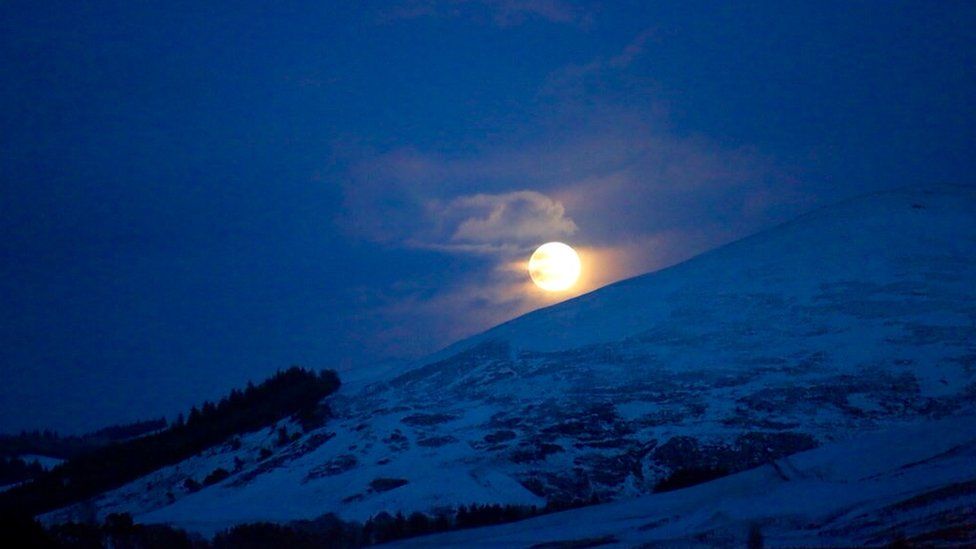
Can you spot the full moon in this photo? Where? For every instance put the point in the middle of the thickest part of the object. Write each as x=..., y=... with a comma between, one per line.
x=554, y=266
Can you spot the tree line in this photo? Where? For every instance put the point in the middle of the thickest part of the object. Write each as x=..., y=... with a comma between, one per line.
x=292, y=392
x=328, y=531
x=51, y=444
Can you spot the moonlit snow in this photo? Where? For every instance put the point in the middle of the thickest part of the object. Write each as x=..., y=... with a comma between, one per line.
x=817, y=360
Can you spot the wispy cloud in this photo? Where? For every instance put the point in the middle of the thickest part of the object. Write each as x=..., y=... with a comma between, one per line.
x=574, y=78
x=609, y=178
x=498, y=222
x=629, y=195
x=513, y=12
x=502, y=13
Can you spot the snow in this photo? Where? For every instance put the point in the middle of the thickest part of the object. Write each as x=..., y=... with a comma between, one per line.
x=854, y=318
x=840, y=494
x=47, y=462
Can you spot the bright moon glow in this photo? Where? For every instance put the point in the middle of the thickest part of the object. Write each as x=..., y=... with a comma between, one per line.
x=554, y=266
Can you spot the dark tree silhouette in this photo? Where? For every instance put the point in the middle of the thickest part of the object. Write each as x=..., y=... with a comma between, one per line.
x=295, y=391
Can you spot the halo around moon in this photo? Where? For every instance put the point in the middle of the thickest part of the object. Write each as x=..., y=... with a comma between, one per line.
x=554, y=266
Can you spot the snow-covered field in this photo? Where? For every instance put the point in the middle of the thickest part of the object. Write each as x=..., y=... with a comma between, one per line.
x=855, y=318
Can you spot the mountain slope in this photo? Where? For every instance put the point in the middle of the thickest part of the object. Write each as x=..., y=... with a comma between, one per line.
x=857, y=316
x=914, y=482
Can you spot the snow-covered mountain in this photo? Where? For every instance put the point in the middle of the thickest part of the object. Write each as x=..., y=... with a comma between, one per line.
x=855, y=317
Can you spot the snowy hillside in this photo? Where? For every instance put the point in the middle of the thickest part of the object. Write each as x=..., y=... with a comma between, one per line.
x=852, y=318
x=916, y=482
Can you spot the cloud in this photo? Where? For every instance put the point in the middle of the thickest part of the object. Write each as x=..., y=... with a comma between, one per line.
x=500, y=221
x=453, y=312
x=501, y=13
x=514, y=12
x=613, y=182
x=573, y=79
x=608, y=176
x=631, y=51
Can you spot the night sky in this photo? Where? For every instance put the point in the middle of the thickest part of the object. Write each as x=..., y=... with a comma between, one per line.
x=192, y=196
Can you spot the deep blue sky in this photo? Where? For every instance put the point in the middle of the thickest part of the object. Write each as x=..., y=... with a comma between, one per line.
x=192, y=196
